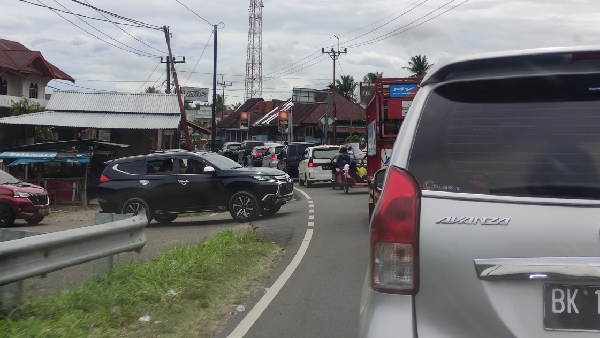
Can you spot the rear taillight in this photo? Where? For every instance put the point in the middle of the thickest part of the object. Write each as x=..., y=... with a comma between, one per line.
x=256, y=154
x=273, y=157
x=104, y=178
x=310, y=163
x=395, y=235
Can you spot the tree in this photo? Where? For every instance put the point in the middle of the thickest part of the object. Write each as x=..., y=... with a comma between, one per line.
x=371, y=77
x=236, y=105
x=26, y=106
x=220, y=104
x=345, y=86
x=418, y=65
x=152, y=90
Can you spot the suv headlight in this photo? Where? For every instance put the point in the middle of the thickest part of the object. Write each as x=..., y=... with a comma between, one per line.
x=20, y=194
x=261, y=178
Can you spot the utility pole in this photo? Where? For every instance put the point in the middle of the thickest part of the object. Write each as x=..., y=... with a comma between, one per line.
x=214, y=105
x=223, y=85
x=334, y=56
x=184, y=125
x=169, y=61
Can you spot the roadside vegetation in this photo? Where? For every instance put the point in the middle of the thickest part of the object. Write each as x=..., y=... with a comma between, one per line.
x=190, y=290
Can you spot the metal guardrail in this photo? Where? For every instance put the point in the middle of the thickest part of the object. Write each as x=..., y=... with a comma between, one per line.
x=37, y=255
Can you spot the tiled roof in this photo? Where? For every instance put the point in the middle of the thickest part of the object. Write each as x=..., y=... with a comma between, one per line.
x=14, y=56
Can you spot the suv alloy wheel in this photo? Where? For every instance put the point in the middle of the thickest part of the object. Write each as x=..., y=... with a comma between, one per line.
x=135, y=206
x=244, y=207
x=7, y=218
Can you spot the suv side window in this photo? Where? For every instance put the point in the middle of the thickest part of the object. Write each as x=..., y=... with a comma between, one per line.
x=305, y=155
x=159, y=166
x=133, y=167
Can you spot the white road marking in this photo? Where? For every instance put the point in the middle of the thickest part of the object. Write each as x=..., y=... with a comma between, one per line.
x=311, y=224
x=246, y=324
x=311, y=211
x=303, y=193
x=252, y=316
x=311, y=216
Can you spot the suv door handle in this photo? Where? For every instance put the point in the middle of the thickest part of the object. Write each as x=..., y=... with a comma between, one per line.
x=539, y=268
x=183, y=182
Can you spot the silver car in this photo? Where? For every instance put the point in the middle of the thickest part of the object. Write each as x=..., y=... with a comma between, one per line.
x=489, y=216
x=270, y=159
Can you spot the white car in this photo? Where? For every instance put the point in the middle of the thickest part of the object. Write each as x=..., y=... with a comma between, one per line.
x=316, y=165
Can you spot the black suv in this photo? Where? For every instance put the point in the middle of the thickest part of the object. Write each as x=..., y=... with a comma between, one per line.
x=166, y=184
x=246, y=149
x=290, y=157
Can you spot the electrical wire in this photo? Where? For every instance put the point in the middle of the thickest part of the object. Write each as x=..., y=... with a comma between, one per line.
x=198, y=15
x=373, y=23
x=124, y=31
x=397, y=31
x=85, y=16
x=108, y=36
x=149, y=76
x=200, y=58
x=118, y=16
x=83, y=29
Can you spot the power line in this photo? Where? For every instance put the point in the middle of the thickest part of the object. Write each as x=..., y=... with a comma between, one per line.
x=124, y=31
x=83, y=29
x=72, y=85
x=118, y=16
x=108, y=36
x=390, y=34
x=200, y=58
x=371, y=24
x=85, y=16
x=198, y=15
x=149, y=76
x=282, y=63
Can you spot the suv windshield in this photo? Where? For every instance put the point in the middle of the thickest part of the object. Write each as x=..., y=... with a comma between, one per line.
x=520, y=137
x=7, y=178
x=254, y=144
x=221, y=162
x=297, y=149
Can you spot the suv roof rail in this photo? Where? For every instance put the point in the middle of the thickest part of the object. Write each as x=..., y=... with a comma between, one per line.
x=162, y=151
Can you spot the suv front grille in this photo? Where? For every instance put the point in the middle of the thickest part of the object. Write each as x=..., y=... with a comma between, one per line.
x=39, y=199
x=286, y=188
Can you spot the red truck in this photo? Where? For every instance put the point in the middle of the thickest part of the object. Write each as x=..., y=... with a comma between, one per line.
x=387, y=106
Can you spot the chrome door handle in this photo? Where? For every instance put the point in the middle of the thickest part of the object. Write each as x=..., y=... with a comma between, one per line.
x=540, y=268
x=183, y=182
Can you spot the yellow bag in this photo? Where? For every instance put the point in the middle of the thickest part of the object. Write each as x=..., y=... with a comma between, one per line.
x=361, y=171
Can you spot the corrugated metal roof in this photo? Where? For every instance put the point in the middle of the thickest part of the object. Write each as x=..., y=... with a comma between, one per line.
x=114, y=102
x=96, y=120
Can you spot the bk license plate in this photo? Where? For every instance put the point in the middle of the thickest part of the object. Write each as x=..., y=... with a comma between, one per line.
x=571, y=307
x=326, y=167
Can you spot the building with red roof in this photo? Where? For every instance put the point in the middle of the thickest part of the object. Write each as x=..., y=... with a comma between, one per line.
x=24, y=73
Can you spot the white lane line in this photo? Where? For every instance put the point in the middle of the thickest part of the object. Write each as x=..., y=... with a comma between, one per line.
x=252, y=316
x=246, y=324
x=303, y=193
x=311, y=224
x=311, y=216
x=311, y=211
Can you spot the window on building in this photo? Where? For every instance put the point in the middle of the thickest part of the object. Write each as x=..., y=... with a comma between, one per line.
x=3, y=87
x=33, y=91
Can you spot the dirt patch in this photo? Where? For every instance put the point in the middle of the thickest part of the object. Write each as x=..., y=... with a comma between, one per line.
x=71, y=213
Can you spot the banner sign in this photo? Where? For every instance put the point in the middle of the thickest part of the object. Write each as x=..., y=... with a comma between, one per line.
x=371, y=135
x=194, y=94
x=244, y=120
x=283, y=119
x=403, y=90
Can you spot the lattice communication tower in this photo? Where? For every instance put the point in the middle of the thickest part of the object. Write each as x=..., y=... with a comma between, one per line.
x=254, y=59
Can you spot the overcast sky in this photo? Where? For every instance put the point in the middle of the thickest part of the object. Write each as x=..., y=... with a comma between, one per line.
x=293, y=34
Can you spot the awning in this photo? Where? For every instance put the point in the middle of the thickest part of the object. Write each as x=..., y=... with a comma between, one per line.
x=199, y=128
x=25, y=157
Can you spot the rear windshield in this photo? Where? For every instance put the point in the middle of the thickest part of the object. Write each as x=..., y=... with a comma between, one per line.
x=253, y=144
x=520, y=137
x=277, y=150
x=297, y=149
x=233, y=147
x=261, y=150
x=322, y=153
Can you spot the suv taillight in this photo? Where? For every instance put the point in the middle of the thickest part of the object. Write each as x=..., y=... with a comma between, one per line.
x=273, y=157
x=395, y=235
x=104, y=178
x=310, y=163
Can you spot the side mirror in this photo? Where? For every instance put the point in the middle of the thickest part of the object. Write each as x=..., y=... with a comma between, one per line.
x=378, y=179
x=209, y=170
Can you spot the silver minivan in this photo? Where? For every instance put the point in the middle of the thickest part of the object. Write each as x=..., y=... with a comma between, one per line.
x=489, y=215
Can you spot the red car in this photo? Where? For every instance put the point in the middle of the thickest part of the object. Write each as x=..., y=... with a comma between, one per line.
x=21, y=200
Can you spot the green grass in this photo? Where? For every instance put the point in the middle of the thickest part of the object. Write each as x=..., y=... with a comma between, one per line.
x=209, y=279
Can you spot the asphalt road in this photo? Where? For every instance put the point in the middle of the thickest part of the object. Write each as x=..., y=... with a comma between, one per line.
x=321, y=297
